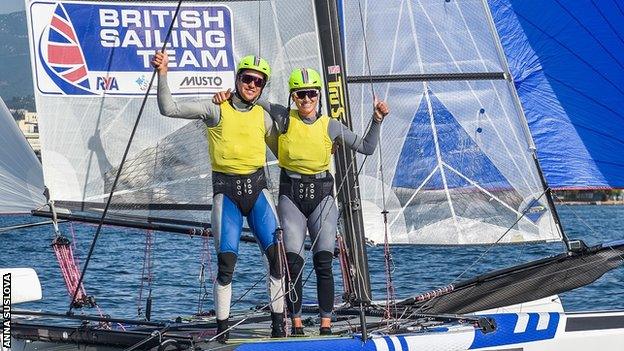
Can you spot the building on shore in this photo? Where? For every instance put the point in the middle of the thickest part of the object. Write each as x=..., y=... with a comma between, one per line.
x=603, y=196
x=29, y=125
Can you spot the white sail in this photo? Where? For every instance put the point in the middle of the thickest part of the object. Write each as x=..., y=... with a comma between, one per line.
x=21, y=177
x=457, y=158
x=86, y=119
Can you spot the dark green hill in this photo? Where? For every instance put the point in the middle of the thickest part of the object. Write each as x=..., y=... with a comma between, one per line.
x=15, y=72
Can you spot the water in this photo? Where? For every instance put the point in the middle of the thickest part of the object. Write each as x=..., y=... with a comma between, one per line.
x=114, y=273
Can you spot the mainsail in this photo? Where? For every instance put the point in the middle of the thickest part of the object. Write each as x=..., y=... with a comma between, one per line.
x=456, y=164
x=21, y=177
x=91, y=61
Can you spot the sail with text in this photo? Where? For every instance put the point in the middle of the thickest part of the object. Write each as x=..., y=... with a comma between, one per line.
x=91, y=63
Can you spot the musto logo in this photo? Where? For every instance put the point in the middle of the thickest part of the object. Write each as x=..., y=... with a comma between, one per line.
x=87, y=48
x=201, y=82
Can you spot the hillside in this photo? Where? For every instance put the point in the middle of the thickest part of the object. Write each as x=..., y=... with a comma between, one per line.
x=15, y=72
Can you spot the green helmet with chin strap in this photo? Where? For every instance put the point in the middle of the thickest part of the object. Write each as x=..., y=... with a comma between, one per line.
x=304, y=78
x=255, y=63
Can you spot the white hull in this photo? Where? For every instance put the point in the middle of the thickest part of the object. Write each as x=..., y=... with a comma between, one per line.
x=538, y=331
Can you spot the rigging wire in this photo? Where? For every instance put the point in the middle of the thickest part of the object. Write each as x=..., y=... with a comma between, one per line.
x=205, y=263
x=123, y=159
x=390, y=295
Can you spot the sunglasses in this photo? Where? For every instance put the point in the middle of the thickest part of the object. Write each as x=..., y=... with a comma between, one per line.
x=301, y=94
x=247, y=79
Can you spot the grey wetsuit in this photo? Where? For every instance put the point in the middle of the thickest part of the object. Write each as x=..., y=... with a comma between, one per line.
x=321, y=222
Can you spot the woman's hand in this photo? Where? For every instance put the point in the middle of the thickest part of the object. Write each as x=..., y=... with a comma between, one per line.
x=381, y=110
x=221, y=97
x=160, y=62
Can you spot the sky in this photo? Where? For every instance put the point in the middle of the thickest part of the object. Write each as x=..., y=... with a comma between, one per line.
x=8, y=6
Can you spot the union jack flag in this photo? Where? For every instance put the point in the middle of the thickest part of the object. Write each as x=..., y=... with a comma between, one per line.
x=64, y=53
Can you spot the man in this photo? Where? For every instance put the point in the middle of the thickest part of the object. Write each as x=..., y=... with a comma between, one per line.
x=237, y=133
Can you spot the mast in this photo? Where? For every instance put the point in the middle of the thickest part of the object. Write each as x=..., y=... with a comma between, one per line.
x=337, y=100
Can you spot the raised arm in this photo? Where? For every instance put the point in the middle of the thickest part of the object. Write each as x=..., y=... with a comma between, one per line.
x=204, y=110
x=367, y=145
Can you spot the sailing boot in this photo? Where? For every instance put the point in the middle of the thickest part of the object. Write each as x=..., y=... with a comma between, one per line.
x=325, y=331
x=222, y=326
x=277, y=325
x=297, y=331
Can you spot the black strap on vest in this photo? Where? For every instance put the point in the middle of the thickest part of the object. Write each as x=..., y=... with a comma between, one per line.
x=242, y=189
x=306, y=192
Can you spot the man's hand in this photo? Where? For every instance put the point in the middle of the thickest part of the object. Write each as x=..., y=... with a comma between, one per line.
x=160, y=62
x=221, y=97
x=381, y=110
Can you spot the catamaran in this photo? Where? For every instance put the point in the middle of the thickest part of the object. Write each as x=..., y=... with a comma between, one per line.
x=456, y=165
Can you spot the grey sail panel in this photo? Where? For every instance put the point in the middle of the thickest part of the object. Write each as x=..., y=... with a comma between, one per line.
x=21, y=177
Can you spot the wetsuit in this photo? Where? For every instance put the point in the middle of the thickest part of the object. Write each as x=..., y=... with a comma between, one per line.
x=306, y=200
x=237, y=134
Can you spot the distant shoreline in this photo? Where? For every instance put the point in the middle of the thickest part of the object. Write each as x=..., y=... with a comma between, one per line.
x=598, y=203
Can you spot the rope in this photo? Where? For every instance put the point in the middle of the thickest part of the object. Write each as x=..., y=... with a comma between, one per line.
x=390, y=291
x=205, y=262
x=146, y=273
x=582, y=221
x=123, y=159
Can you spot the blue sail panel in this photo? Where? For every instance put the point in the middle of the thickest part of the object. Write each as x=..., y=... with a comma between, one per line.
x=567, y=65
x=457, y=149
x=418, y=156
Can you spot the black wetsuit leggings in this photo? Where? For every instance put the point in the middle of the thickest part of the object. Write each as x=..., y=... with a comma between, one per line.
x=307, y=205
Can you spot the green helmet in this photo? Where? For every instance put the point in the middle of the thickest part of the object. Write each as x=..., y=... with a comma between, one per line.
x=254, y=63
x=304, y=78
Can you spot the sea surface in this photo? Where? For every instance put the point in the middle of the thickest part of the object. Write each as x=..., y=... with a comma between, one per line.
x=114, y=274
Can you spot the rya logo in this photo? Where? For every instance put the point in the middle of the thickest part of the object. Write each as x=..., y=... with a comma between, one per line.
x=107, y=83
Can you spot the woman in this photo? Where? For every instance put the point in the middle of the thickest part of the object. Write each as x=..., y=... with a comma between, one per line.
x=306, y=199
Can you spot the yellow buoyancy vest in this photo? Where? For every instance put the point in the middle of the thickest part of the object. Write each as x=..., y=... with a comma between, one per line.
x=237, y=143
x=305, y=148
